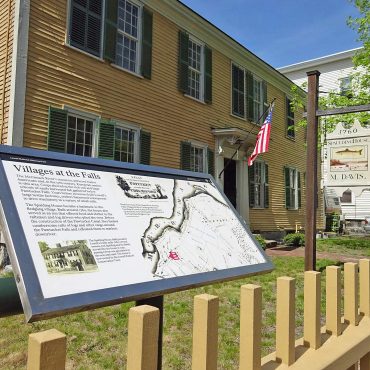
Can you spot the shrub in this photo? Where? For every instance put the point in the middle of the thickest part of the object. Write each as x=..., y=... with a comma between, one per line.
x=260, y=240
x=296, y=239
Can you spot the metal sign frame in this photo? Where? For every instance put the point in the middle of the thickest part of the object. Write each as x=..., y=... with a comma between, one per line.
x=35, y=306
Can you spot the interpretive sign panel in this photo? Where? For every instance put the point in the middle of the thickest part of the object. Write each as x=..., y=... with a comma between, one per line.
x=86, y=232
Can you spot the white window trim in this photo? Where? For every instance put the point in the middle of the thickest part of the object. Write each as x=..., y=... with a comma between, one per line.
x=137, y=130
x=286, y=118
x=199, y=145
x=92, y=117
x=139, y=40
x=68, y=29
x=201, y=82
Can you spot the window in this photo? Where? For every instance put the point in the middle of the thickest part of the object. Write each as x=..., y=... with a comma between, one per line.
x=238, y=99
x=125, y=146
x=196, y=157
x=346, y=197
x=258, y=106
x=88, y=135
x=249, y=95
x=128, y=33
x=80, y=133
x=258, y=185
x=85, y=29
x=345, y=85
x=290, y=119
x=125, y=39
x=195, y=68
x=292, y=188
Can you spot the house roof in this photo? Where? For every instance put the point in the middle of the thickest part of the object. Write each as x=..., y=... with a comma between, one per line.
x=314, y=63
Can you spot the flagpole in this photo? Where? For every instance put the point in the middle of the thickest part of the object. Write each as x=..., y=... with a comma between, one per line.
x=248, y=133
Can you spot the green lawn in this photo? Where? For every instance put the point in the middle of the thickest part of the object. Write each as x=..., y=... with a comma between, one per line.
x=98, y=339
x=347, y=245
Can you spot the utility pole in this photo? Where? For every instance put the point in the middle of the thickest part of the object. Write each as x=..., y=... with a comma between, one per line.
x=311, y=171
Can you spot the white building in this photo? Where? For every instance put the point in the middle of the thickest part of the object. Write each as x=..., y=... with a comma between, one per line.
x=345, y=157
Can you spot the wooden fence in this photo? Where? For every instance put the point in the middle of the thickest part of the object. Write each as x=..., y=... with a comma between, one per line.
x=343, y=343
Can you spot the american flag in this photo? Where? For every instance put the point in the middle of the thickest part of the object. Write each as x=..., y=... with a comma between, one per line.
x=263, y=138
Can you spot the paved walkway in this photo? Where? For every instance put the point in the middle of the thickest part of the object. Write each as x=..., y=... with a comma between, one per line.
x=282, y=251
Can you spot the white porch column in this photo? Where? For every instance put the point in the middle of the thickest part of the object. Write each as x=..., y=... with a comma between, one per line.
x=243, y=190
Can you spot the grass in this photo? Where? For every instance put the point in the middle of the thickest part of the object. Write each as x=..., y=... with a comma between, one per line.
x=346, y=245
x=98, y=339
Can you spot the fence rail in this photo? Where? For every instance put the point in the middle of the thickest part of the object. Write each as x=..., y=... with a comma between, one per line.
x=341, y=344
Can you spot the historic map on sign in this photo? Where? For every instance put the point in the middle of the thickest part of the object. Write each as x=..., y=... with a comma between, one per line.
x=200, y=224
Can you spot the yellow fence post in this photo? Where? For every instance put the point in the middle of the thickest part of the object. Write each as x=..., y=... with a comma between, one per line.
x=365, y=287
x=205, y=332
x=312, y=301
x=333, y=301
x=250, y=327
x=47, y=350
x=143, y=331
x=285, y=320
x=351, y=293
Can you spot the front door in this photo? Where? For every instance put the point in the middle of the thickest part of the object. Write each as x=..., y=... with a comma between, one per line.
x=230, y=180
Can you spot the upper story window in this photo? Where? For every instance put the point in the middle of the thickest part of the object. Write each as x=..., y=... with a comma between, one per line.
x=195, y=68
x=121, y=34
x=292, y=188
x=249, y=95
x=258, y=185
x=85, y=29
x=345, y=85
x=290, y=131
x=128, y=36
x=196, y=79
x=346, y=197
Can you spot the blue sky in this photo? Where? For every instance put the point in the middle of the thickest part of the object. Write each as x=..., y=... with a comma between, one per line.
x=283, y=32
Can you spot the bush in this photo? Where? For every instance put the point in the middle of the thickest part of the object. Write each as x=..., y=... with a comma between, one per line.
x=296, y=239
x=260, y=240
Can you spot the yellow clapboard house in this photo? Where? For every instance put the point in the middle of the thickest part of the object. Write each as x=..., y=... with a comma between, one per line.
x=150, y=82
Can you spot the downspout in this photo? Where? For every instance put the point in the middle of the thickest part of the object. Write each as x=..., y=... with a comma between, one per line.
x=5, y=70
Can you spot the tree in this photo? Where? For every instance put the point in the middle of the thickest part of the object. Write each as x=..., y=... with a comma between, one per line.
x=43, y=247
x=358, y=91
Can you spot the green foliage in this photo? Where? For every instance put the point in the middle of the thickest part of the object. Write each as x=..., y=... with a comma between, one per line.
x=346, y=242
x=43, y=246
x=358, y=93
x=260, y=240
x=296, y=239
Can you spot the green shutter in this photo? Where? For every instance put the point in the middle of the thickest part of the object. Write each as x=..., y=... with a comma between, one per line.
x=110, y=34
x=211, y=162
x=249, y=96
x=145, y=147
x=106, y=139
x=299, y=190
x=287, y=187
x=251, y=186
x=185, y=150
x=147, y=42
x=264, y=89
x=183, y=61
x=266, y=187
x=57, y=132
x=207, y=75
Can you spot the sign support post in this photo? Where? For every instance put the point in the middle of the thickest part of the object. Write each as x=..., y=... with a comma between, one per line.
x=311, y=171
x=158, y=303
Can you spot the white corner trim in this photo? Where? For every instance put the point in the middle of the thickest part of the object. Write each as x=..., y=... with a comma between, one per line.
x=19, y=73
